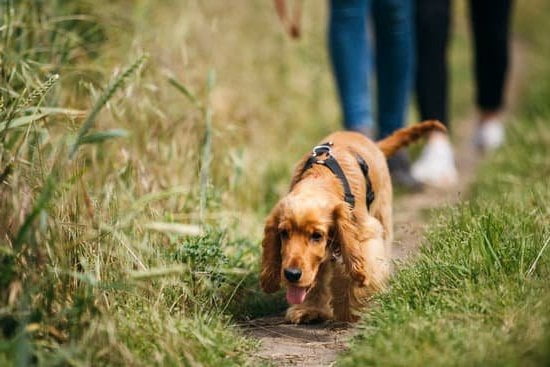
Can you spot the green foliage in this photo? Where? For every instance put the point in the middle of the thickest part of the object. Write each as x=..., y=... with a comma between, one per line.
x=70, y=270
x=203, y=253
x=206, y=263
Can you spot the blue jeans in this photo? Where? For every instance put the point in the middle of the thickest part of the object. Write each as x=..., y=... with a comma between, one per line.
x=353, y=54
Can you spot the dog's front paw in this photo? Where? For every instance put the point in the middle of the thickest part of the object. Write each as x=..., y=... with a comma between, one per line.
x=306, y=314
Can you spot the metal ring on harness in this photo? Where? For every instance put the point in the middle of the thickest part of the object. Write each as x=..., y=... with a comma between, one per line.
x=323, y=148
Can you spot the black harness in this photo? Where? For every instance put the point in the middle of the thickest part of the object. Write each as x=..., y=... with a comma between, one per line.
x=332, y=164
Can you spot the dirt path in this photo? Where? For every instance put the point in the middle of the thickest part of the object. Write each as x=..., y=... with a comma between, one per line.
x=283, y=344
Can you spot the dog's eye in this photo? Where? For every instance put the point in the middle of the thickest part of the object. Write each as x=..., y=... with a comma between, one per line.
x=284, y=234
x=316, y=236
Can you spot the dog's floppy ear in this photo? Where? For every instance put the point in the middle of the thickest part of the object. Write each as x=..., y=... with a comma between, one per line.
x=349, y=241
x=270, y=275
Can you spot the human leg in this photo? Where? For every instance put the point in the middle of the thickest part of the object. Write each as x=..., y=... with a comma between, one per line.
x=436, y=165
x=350, y=54
x=432, y=34
x=490, y=24
x=394, y=36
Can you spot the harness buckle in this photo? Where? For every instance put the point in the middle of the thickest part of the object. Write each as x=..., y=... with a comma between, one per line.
x=323, y=148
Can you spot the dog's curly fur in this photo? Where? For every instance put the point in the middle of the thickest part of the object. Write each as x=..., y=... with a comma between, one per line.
x=313, y=222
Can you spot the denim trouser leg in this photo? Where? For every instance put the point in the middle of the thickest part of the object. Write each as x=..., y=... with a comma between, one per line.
x=351, y=54
x=393, y=21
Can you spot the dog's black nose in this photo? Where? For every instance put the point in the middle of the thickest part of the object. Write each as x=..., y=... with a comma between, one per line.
x=293, y=274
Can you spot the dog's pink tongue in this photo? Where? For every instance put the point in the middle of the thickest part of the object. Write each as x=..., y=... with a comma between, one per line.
x=295, y=295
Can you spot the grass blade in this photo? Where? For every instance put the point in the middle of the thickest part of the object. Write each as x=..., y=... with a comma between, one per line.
x=176, y=228
x=186, y=92
x=117, y=83
x=41, y=203
x=40, y=113
x=534, y=264
x=101, y=136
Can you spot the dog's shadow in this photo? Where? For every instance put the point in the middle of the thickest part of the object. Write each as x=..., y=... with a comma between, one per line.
x=278, y=328
x=250, y=302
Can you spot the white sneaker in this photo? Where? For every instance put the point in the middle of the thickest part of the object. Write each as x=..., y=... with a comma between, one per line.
x=436, y=165
x=489, y=135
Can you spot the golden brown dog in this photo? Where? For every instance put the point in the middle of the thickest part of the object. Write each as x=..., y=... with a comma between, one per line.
x=332, y=255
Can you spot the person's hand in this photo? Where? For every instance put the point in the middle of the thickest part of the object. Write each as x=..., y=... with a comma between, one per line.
x=292, y=24
x=295, y=30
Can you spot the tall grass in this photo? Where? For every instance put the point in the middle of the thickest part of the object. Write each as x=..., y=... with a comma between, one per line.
x=132, y=251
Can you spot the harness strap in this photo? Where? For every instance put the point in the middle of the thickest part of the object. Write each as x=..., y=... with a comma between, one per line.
x=365, y=169
x=332, y=164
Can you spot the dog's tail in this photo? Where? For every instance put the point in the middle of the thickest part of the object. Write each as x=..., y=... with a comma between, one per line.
x=407, y=135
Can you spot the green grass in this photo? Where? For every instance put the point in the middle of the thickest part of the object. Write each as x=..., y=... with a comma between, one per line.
x=478, y=292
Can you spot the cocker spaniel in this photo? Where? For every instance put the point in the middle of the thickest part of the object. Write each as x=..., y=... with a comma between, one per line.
x=328, y=239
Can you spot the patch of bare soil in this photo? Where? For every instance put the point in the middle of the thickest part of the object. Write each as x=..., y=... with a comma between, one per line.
x=283, y=344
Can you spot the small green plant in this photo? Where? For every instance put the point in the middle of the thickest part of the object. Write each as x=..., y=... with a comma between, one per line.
x=204, y=255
